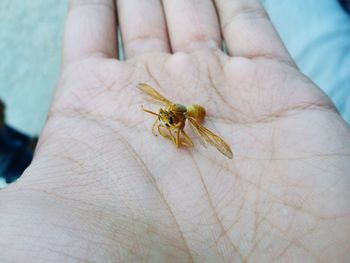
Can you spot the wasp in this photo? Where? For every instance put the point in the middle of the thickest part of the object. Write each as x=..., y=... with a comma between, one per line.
x=171, y=120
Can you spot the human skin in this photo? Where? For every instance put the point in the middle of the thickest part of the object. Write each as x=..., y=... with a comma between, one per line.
x=102, y=188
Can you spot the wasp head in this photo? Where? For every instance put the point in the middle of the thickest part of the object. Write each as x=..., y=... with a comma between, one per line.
x=167, y=117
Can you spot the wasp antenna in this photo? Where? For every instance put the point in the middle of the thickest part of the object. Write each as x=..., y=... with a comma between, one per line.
x=151, y=112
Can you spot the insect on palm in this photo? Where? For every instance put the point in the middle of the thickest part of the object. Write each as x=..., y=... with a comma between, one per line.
x=172, y=120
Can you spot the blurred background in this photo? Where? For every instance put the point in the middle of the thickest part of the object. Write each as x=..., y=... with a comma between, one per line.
x=316, y=33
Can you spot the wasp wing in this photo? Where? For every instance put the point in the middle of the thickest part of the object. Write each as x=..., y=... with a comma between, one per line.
x=211, y=138
x=153, y=94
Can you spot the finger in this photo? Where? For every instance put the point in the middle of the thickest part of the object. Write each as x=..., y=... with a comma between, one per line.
x=192, y=25
x=143, y=27
x=248, y=31
x=90, y=30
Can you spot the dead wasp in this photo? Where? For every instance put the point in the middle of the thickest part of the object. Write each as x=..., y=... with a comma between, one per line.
x=172, y=119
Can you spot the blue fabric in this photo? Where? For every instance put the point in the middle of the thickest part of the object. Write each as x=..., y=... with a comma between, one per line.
x=346, y=5
x=15, y=155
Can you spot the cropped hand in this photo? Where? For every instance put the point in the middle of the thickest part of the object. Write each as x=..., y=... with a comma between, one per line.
x=102, y=188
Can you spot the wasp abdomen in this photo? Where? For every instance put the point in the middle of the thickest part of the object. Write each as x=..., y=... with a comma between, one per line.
x=196, y=111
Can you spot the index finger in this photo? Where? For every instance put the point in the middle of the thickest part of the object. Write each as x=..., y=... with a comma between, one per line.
x=90, y=30
x=248, y=31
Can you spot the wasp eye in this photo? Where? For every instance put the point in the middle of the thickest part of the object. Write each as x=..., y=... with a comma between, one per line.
x=171, y=120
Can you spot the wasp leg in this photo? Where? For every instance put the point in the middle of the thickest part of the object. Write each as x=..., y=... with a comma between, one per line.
x=173, y=138
x=177, y=138
x=188, y=142
x=161, y=132
x=177, y=129
x=154, y=125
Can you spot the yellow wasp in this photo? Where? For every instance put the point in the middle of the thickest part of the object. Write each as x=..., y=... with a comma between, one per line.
x=171, y=122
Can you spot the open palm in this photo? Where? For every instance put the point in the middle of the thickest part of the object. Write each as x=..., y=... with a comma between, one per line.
x=104, y=183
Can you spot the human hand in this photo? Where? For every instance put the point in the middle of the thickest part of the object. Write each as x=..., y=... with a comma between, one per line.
x=102, y=188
